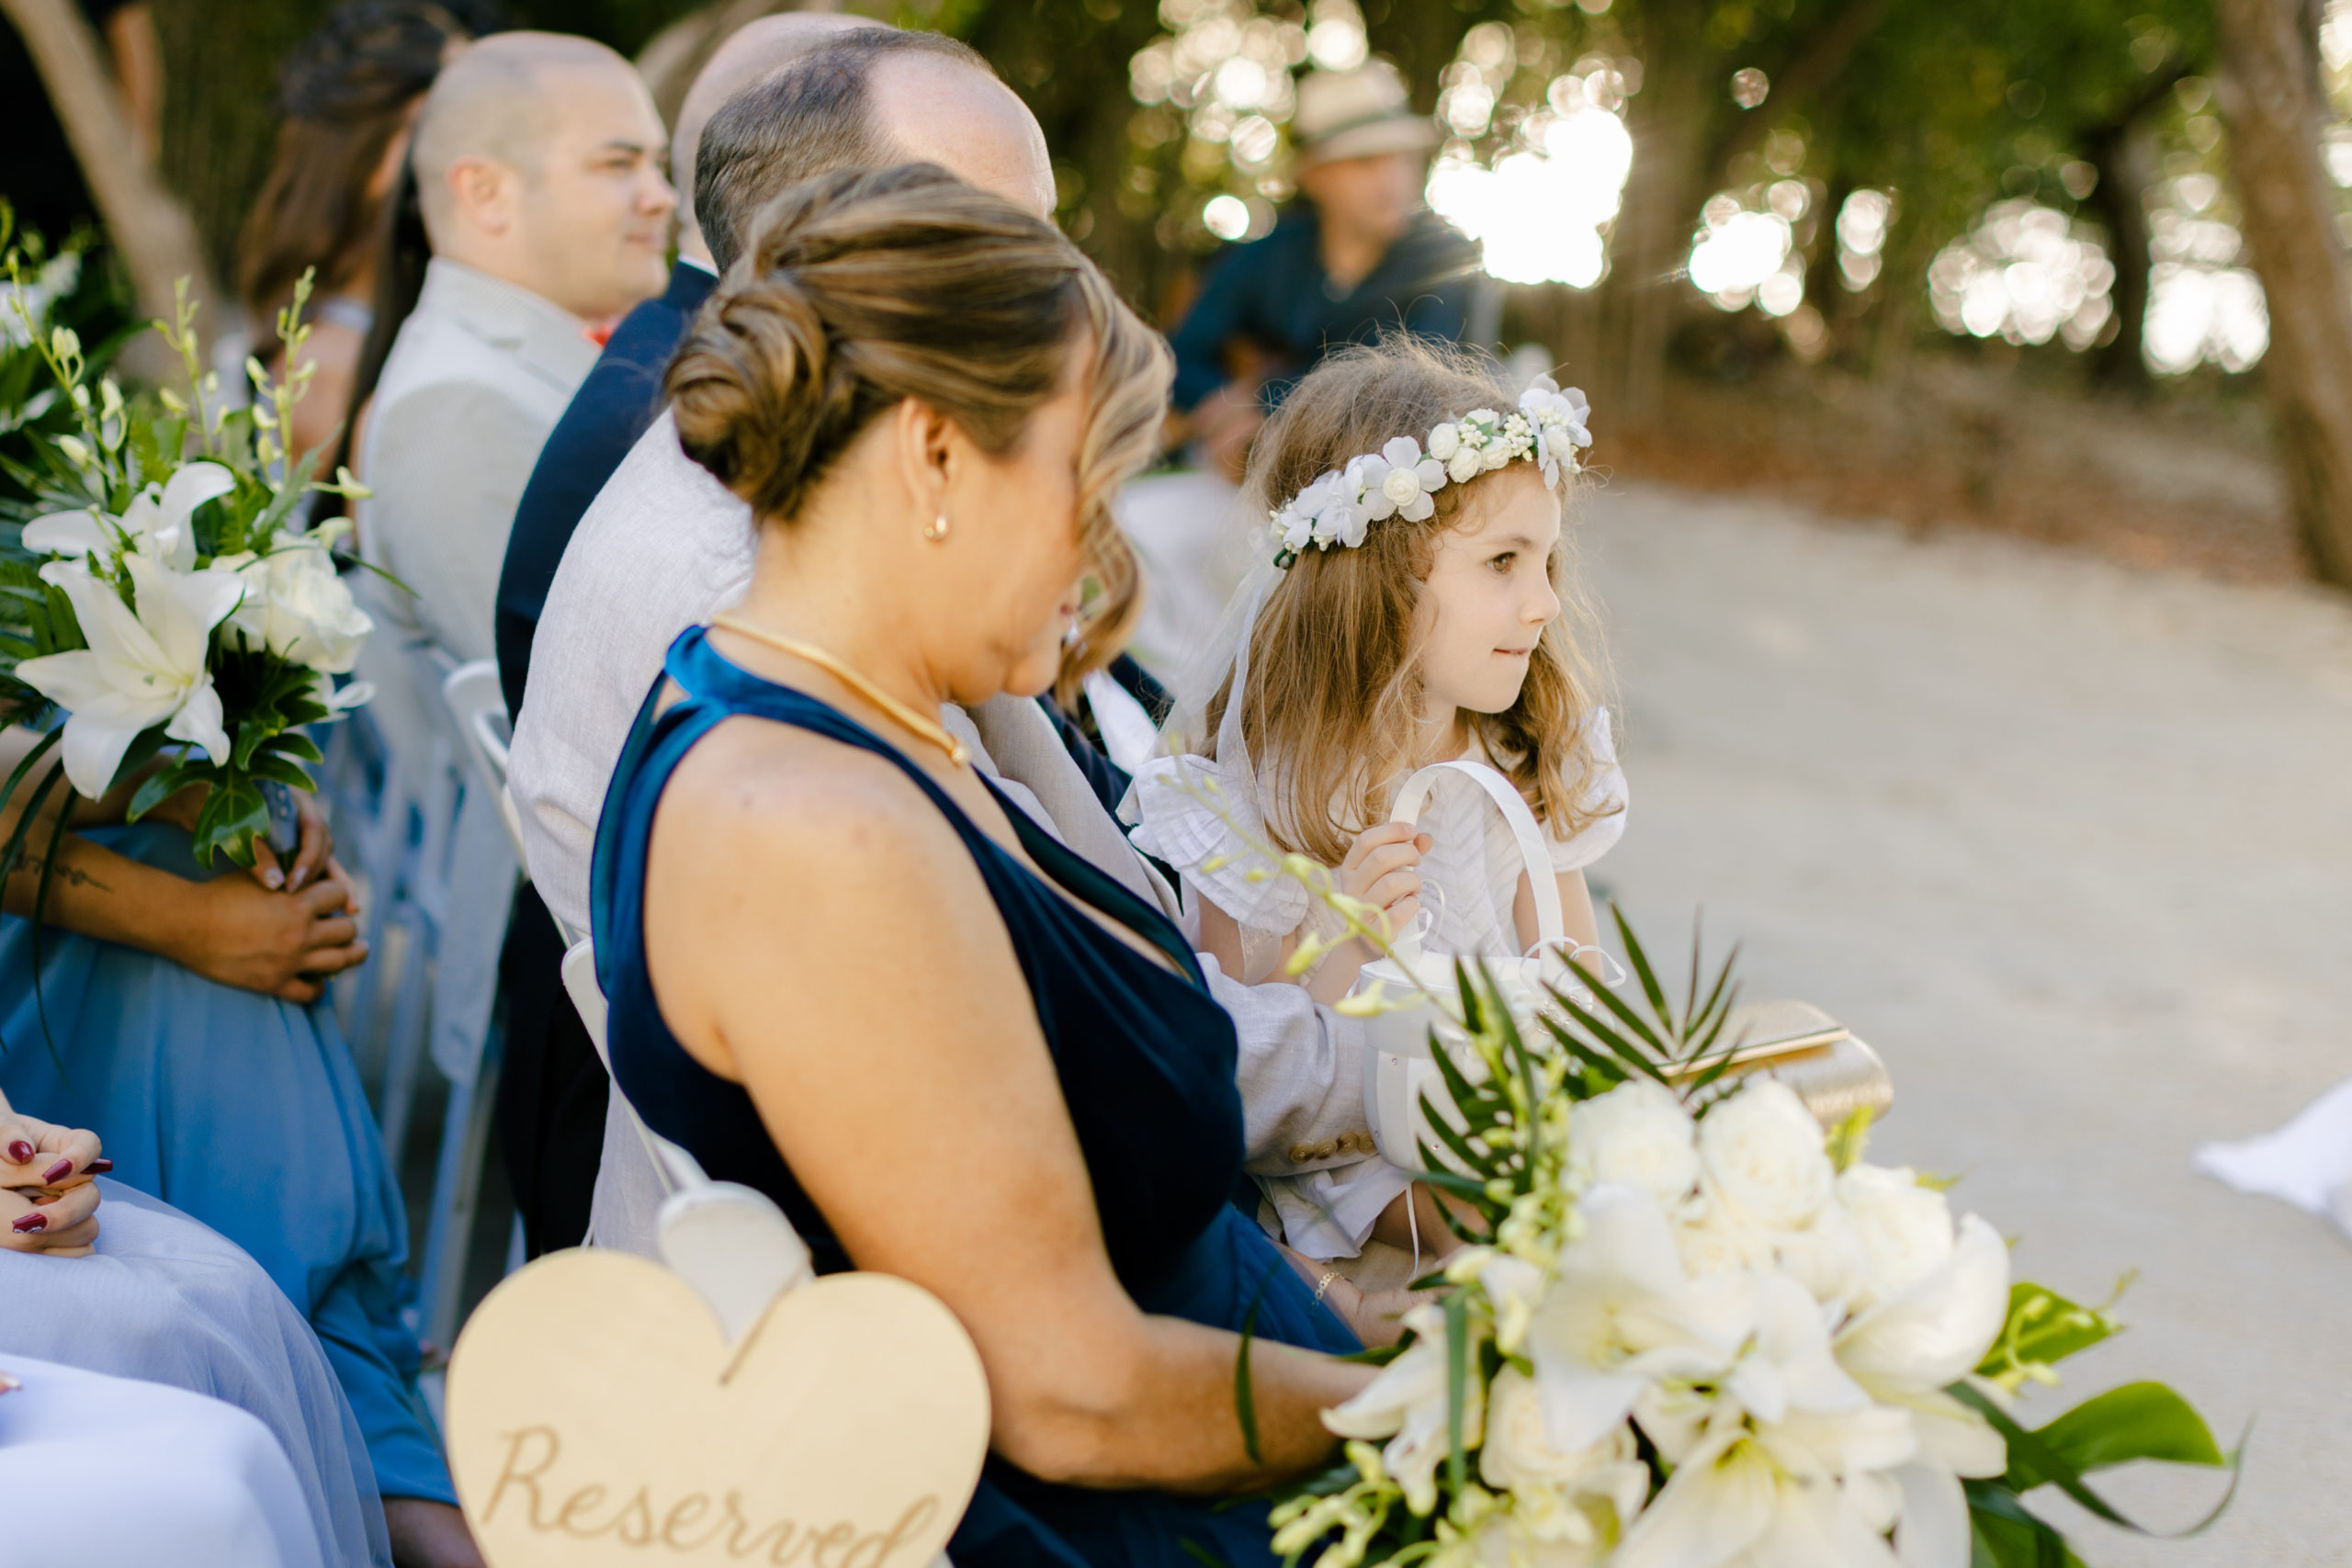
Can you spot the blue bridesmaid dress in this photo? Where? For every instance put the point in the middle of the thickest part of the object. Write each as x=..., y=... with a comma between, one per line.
x=1145, y=1057
x=244, y=1111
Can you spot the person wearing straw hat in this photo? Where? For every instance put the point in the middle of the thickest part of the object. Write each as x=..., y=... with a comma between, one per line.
x=1359, y=254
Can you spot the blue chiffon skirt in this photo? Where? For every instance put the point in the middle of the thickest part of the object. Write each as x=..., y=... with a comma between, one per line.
x=246, y=1112
x=165, y=1299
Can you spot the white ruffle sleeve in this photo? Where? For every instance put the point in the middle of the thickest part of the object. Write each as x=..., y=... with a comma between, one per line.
x=1190, y=835
x=1603, y=802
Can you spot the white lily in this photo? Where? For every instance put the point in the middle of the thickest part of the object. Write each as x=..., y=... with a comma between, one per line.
x=1407, y=1404
x=156, y=524
x=1623, y=1316
x=144, y=667
x=1906, y=1351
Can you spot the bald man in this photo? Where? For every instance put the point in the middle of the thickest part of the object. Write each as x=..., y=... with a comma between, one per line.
x=622, y=393
x=538, y=159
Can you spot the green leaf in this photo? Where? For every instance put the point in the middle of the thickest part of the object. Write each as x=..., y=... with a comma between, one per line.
x=2030, y=1455
x=1245, y=1398
x=1457, y=1387
x=233, y=813
x=2140, y=1420
x=298, y=746
x=2005, y=1534
x=282, y=770
x=1641, y=962
x=2043, y=1327
x=162, y=784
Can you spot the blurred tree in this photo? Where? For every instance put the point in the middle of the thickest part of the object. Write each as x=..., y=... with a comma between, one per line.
x=2270, y=91
x=152, y=231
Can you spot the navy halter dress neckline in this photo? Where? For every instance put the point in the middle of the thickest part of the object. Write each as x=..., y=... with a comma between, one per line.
x=1145, y=1057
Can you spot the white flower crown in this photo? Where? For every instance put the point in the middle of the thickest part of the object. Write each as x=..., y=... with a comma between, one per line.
x=1398, y=479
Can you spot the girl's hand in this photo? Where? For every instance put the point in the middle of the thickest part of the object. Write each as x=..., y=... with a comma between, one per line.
x=1381, y=869
x=282, y=945
x=61, y=1224
x=34, y=1153
x=310, y=854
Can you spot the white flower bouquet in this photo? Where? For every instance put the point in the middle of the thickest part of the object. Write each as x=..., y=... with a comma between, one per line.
x=1693, y=1331
x=164, y=613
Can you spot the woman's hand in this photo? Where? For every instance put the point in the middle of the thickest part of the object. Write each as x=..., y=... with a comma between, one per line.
x=1376, y=1318
x=1381, y=869
x=282, y=945
x=48, y=1202
x=310, y=853
x=34, y=1153
x=61, y=1224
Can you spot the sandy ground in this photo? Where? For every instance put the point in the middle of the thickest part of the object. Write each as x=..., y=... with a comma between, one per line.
x=2071, y=846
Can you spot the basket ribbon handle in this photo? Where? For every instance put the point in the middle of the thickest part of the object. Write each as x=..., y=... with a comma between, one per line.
x=1549, y=926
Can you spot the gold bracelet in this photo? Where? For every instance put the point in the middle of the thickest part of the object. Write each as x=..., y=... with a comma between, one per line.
x=1325, y=1283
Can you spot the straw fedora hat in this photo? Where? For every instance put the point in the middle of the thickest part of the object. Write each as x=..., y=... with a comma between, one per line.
x=1357, y=114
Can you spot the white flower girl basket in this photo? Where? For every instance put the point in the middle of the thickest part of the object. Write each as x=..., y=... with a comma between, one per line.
x=1833, y=1073
x=1401, y=1069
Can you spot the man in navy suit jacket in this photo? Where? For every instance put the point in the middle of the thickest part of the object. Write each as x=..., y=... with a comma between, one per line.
x=552, y=1090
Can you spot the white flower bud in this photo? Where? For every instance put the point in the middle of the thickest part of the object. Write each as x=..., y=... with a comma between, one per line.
x=1445, y=441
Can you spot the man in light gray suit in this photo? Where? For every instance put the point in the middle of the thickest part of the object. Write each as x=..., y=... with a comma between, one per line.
x=538, y=161
x=665, y=547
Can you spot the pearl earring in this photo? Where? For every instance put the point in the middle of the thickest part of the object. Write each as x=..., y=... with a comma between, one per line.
x=936, y=529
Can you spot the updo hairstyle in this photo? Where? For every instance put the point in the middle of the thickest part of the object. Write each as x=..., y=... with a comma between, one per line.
x=863, y=287
x=1332, y=712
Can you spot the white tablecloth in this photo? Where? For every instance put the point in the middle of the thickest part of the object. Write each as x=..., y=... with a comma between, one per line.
x=119, y=1473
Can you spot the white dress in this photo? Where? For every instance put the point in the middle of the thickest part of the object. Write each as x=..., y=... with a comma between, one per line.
x=1470, y=877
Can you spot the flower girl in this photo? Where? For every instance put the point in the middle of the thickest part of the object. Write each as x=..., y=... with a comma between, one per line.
x=1412, y=607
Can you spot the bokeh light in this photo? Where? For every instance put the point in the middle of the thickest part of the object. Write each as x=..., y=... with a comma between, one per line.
x=2202, y=307
x=2025, y=274
x=1540, y=210
x=1862, y=223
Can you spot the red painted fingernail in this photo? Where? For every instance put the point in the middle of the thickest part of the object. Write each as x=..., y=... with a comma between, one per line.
x=63, y=1167
x=20, y=1152
x=29, y=1222
x=100, y=1166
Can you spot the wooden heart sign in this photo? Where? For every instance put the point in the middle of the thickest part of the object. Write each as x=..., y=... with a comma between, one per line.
x=597, y=1416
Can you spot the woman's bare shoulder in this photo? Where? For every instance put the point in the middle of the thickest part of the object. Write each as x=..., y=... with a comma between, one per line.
x=756, y=797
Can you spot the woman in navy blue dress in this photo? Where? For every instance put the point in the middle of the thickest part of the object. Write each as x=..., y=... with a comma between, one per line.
x=842, y=970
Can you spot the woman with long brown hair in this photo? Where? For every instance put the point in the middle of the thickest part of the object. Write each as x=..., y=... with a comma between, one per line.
x=349, y=96
x=844, y=970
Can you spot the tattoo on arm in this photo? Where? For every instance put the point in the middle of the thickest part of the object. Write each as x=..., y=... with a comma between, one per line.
x=71, y=875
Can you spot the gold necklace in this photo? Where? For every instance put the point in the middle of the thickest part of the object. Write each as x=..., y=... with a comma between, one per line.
x=929, y=729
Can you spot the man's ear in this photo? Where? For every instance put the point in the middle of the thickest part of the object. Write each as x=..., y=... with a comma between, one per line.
x=483, y=189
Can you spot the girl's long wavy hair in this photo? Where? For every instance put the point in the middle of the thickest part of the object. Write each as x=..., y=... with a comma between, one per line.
x=865, y=286
x=1333, y=706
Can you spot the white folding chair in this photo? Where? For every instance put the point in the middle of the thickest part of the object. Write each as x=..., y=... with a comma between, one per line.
x=478, y=704
x=732, y=1243
x=475, y=888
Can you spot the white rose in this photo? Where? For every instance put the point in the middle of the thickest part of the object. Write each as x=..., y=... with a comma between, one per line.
x=1401, y=485
x=1463, y=465
x=1763, y=1153
x=1518, y=1450
x=1495, y=457
x=1906, y=1229
x=1712, y=1239
x=1445, y=441
x=1826, y=1257
x=297, y=607
x=1639, y=1134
